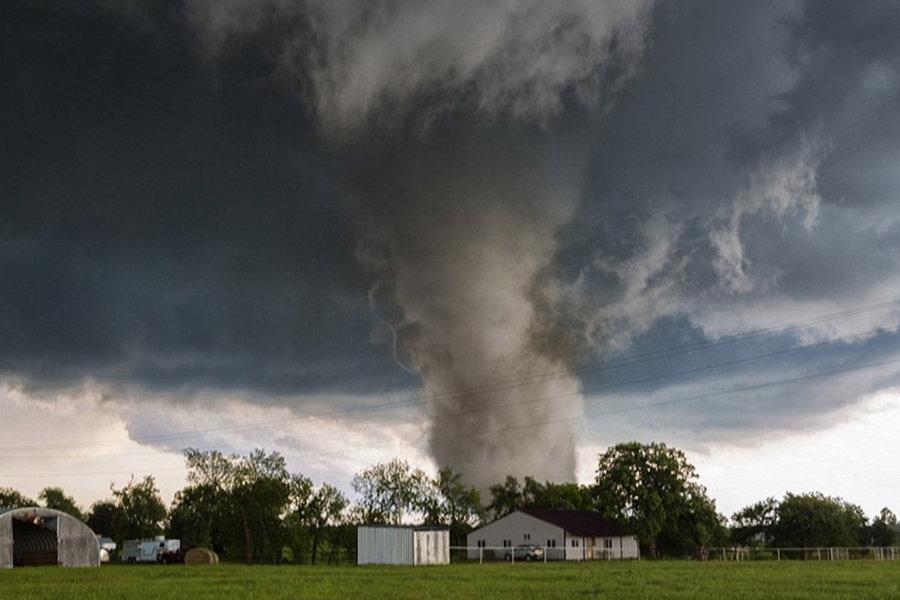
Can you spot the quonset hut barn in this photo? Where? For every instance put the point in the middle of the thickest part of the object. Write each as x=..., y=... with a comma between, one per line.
x=42, y=536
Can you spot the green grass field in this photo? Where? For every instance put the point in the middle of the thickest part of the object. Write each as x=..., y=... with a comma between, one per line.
x=850, y=580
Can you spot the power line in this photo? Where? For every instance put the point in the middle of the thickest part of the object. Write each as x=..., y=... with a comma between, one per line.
x=420, y=399
x=492, y=407
x=669, y=402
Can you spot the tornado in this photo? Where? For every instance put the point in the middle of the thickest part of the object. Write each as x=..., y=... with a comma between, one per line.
x=464, y=132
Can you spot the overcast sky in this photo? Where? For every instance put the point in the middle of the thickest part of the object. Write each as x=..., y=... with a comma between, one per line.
x=501, y=237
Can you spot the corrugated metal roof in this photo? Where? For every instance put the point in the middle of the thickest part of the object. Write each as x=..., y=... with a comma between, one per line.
x=32, y=538
x=413, y=527
x=28, y=508
x=580, y=522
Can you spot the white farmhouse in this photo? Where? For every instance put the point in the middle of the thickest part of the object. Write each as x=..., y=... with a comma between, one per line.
x=564, y=534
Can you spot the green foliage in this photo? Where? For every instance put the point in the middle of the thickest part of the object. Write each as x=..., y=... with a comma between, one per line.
x=653, y=489
x=104, y=519
x=252, y=507
x=314, y=518
x=249, y=495
x=887, y=516
x=557, y=496
x=881, y=534
x=509, y=496
x=10, y=498
x=141, y=511
x=815, y=520
x=451, y=503
x=883, y=531
x=390, y=490
x=55, y=498
x=506, y=497
x=136, y=511
x=754, y=524
x=198, y=518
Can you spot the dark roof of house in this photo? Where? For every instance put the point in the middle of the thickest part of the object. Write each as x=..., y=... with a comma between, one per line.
x=579, y=522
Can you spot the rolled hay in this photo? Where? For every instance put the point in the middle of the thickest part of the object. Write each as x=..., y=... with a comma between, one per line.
x=201, y=556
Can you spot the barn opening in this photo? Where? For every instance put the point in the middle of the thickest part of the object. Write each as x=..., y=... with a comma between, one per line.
x=35, y=541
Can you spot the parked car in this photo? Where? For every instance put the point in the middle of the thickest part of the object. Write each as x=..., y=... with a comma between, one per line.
x=526, y=552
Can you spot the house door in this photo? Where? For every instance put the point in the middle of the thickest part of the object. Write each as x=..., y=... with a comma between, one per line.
x=589, y=548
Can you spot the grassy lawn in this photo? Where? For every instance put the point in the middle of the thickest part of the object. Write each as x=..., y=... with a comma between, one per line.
x=851, y=580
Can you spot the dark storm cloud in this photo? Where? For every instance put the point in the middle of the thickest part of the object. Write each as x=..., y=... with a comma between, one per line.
x=770, y=132
x=165, y=222
x=186, y=205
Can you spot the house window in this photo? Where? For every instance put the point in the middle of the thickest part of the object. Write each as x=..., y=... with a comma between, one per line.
x=480, y=543
x=574, y=543
x=507, y=543
x=527, y=537
x=551, y=543
x=607, y=543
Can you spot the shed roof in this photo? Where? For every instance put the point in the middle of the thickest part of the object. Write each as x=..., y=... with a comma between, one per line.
x=413, y=527
x=580, y=522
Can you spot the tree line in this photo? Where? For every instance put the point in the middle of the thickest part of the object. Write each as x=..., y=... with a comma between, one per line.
x=252, y=508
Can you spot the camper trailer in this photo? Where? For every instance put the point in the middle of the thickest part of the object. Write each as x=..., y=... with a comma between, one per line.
x=158, y=549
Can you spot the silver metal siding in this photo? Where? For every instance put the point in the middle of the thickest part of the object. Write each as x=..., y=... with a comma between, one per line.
x=78, y=546
x=384, y=546
x=6, y=542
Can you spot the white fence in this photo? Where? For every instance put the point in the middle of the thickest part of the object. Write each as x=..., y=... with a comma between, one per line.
x=517, y=554
x=817, y=554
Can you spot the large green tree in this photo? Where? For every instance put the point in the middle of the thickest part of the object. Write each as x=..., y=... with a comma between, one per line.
x=754, y=524
x=135, y=511
x=141, y=511
x=198, y=517
x=105, y=519
x=390, y=490
x=815, y=520
x=315, y=514
x=453, y=504
x=301, y=494
x=250, y=494
x=654, y=490
x=326, y=505
x=883, y=532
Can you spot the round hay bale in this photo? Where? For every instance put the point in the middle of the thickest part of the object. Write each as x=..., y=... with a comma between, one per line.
x=201, y=556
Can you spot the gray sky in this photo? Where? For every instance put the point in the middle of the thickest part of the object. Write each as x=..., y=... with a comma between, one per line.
x=500, y=238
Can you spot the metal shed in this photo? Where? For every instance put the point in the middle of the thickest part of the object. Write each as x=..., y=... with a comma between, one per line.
x=398, y=545
x=34, y=536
